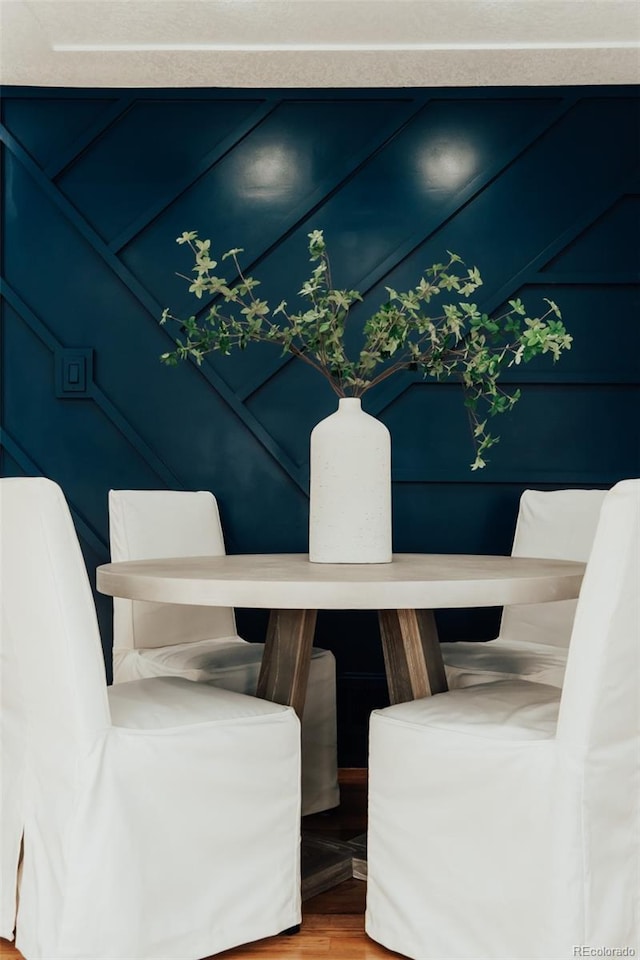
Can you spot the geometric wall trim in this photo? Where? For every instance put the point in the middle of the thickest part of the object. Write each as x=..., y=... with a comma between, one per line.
x=30, y=469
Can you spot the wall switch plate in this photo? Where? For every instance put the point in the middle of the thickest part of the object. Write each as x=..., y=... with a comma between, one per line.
x=74, y=372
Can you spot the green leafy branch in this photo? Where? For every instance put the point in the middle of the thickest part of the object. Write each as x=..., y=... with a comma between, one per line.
x=433, y=328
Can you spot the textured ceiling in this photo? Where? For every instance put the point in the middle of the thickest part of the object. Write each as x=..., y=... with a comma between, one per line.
x=331, y=43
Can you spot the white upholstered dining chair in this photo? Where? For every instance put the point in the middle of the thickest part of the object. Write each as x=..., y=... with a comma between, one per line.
x=153, y=819
x=534, y=638
x=504, y=818
x=200, y=642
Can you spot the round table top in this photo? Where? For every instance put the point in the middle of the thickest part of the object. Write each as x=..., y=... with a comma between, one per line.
x=288, y=581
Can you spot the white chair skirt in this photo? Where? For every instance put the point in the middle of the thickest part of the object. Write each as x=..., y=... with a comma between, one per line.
x=108, y=873
x=479, y=832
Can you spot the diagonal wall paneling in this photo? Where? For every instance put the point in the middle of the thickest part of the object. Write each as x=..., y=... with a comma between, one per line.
x=524, y=182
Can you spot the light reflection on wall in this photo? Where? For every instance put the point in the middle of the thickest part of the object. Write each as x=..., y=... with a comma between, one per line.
x=272, y=172
x=446, y=164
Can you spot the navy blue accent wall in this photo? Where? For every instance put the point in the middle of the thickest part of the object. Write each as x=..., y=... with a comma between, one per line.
x=539, y=187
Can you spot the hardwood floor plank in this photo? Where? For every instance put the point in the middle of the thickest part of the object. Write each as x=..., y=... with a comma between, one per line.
x=348, y=898
x=338, y=924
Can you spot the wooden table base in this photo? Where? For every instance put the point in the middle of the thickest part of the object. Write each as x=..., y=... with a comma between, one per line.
x=414, y=669
x=284, y=672
x=410, y=644
x=326, y=863
x=412, y=658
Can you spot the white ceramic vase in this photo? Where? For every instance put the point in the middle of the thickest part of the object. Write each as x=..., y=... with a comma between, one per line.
x=350, y=490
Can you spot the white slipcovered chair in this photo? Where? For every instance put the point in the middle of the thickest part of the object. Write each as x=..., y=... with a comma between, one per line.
x=201, y=643
x=504, y=818
x=534, y=637
x=157, y=819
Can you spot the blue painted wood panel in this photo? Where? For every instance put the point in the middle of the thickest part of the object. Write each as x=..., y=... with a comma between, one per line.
x=539, y=187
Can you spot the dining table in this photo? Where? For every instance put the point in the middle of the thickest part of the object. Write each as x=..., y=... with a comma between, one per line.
x=405, y=593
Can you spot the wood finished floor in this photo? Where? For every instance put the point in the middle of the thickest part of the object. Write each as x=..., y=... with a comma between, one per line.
x=333, y=922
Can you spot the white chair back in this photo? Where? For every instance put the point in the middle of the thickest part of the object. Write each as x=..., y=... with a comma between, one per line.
x=600, y=707
x=599, y=718
x=150, y=524
x=561, y=525
x=54, y=699
x=54, y=643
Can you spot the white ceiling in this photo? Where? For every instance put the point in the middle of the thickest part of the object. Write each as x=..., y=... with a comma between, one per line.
x=318, y=43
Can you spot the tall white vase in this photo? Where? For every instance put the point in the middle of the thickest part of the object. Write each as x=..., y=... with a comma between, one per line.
x=350, y=507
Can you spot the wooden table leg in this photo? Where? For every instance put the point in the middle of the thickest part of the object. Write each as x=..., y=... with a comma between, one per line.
x=412, y=656
x=287, y=657
x=283, y=678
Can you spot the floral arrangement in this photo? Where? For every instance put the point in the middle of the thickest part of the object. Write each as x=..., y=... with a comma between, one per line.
x=433, y=328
